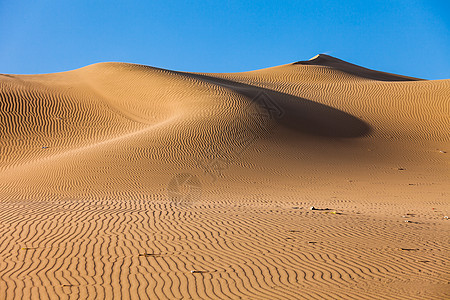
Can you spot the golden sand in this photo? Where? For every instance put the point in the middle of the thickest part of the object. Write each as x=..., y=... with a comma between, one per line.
x=125, y=181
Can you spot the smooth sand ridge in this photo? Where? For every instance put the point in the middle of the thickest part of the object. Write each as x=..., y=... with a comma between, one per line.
x=93, y=204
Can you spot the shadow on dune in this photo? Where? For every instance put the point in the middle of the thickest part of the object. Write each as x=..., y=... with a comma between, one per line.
x=297, y=113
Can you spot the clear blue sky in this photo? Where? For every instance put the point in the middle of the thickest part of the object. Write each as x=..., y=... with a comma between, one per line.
x=409, y=37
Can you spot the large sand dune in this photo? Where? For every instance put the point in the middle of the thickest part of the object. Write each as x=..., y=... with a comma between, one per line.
x=118, y=180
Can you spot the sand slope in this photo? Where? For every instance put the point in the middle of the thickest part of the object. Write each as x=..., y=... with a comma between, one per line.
x=118, y=180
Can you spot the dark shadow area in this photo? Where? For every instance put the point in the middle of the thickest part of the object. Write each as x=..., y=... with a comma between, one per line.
x=343, y=66
x=296, y=113
x=7, y=75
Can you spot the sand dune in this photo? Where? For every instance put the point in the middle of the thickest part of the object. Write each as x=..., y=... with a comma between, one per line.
x=122, y=180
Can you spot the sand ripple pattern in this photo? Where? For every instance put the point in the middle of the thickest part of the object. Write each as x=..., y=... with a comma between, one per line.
x=110, y=248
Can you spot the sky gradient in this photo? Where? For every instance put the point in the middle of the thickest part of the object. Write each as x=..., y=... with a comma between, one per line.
x=405, y=37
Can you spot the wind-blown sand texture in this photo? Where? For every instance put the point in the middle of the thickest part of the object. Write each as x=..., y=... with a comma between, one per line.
x=124, y=181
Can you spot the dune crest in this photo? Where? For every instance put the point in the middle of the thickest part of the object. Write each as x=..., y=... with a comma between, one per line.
x=124, y=180
x=338, y=64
